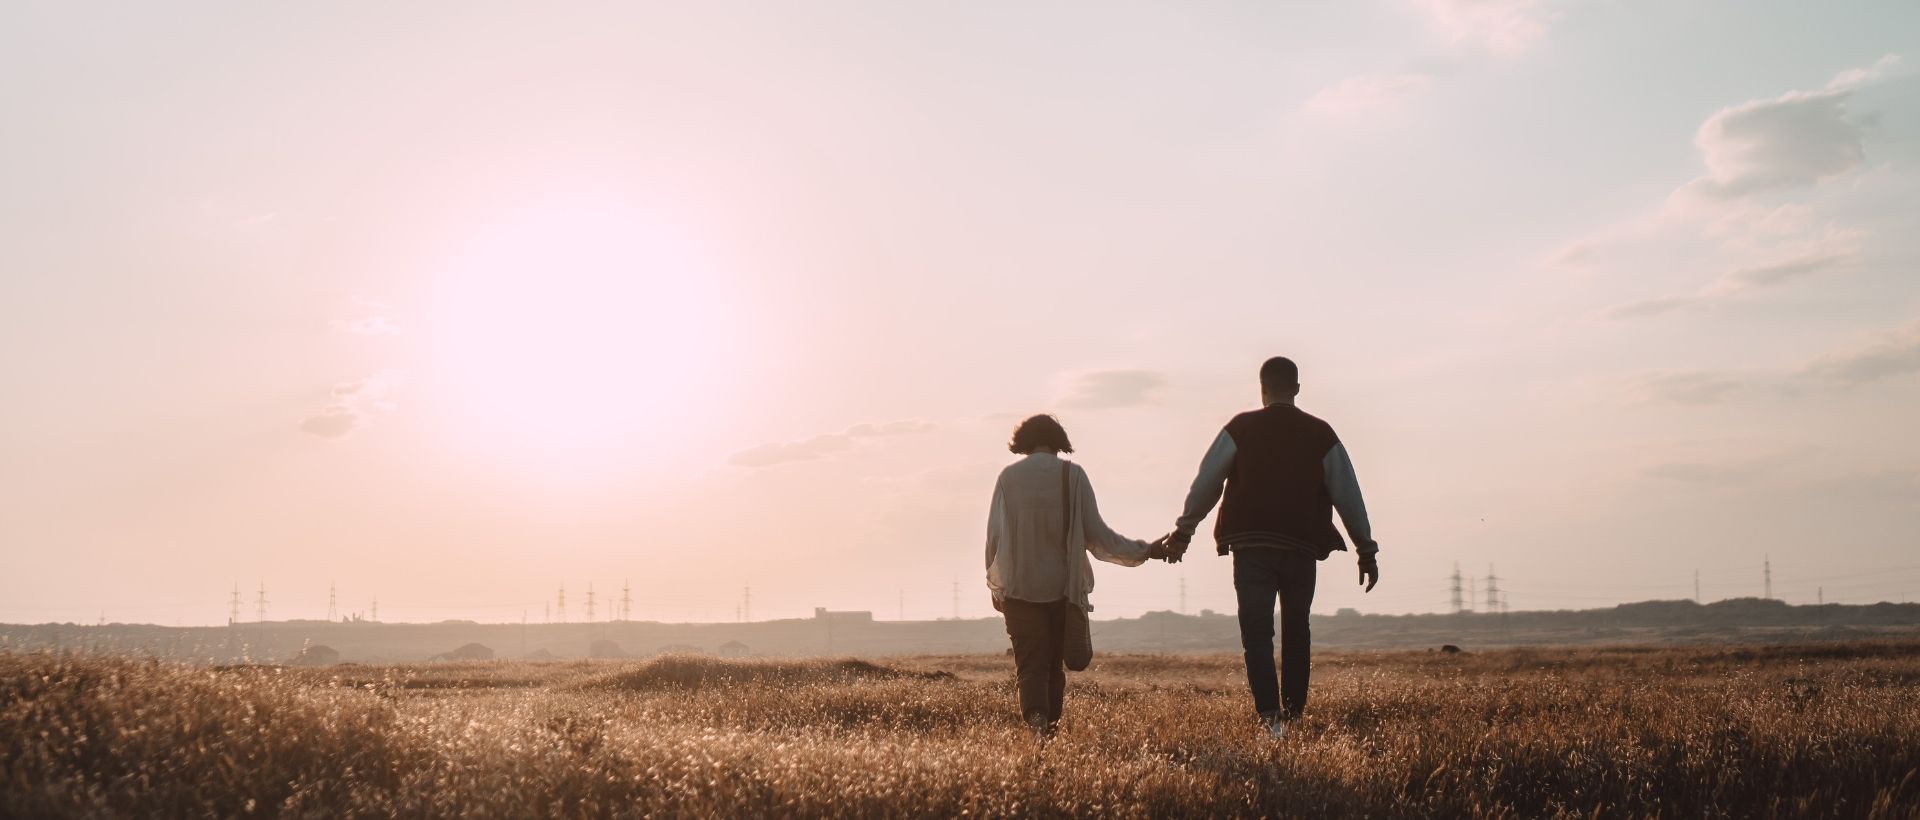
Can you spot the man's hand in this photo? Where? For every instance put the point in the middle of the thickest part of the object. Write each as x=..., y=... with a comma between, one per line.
x=1158, y=549
x=1369, y=573
x=1176, y=548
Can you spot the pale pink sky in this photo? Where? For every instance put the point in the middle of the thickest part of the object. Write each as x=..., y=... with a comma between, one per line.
x=450, y=304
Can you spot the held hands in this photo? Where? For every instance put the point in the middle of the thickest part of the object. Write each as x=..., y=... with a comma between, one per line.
x=1369, y=572
x=1169, y=548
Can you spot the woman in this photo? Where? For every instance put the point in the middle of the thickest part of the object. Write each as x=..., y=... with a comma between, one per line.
x=1042, y=525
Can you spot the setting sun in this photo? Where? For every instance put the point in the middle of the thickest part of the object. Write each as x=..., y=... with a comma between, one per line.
x=563, y=328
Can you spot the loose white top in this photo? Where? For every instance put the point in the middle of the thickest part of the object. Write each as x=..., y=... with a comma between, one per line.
x=1024, y=555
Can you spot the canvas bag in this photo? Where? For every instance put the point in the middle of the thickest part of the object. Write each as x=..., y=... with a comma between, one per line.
x=1077, y=647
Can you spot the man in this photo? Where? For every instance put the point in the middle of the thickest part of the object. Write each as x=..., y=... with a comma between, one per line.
x=1284, y=473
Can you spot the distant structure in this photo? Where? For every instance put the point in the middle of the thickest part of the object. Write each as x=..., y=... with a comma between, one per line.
x=604, y=648
x=233, y=610
x=467, y=652
x=733, y=649
x=317, y=655
x=1494, y=602
x=746, y=603
x=260, y=604
x=821, y=613
x=1696, y=586
x=374, y=614
x=1766, y=571
x=626, y=600
x=333, y=604
x=560, y=607
x=1183, y=594
x=589, y=602
x=1459, y=604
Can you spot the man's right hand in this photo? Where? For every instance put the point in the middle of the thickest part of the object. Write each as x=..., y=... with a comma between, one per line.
x=1369, y=573
x=1176, y=548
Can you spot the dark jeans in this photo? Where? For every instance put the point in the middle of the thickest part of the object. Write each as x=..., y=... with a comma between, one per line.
x=1259, y=575
x=1039, y=634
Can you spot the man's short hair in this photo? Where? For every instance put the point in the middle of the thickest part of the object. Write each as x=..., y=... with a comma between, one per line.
x=1279, y=374
x=1042, y=431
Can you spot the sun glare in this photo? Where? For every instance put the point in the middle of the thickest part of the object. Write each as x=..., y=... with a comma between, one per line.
x=569, y=333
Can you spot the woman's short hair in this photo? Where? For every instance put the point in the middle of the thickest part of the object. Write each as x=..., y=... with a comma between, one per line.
x=1041, y=431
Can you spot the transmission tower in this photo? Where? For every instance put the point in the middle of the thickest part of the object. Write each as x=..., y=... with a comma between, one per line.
x=589, y=602
x=260, y=604
x=1459, y=603
x=626, y=600
x=746, y=603
x=1183, y=594
x=374, y=613
x=956, y=600
x=233, y=606
x=333, y=608
x=1493, y=590
x=1696, y=586
x=1766, y=572
x=561, y=607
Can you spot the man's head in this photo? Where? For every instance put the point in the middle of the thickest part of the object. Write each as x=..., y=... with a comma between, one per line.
x=1279, y=380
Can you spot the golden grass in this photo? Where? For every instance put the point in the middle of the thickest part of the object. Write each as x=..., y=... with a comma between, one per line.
x=1819, y=730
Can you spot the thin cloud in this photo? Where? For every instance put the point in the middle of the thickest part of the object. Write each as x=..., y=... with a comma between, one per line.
x=782, y=452
x=1499, y=26
x=1654, y=307
x=1363, y=93
x=1895, y=354
x=1734, y=283
x=1696, y=387
x=354, y=404
x=336, y=421
x=1777, y=273
x=904, y=427
x=1104, y=389
x=825, y=444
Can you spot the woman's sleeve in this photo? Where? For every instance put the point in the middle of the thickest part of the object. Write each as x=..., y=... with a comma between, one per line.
x=995, y=520
x=1102, y=541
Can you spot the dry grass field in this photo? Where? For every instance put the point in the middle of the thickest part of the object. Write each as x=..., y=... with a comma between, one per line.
x=1823, y=730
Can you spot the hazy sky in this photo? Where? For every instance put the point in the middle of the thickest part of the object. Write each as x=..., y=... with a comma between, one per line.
x=450, y=304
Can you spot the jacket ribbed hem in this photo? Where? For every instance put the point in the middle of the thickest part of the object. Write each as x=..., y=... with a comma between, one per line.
x=1223, y=543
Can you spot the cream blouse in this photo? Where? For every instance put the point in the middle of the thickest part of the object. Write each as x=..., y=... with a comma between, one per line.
x=1024, y=555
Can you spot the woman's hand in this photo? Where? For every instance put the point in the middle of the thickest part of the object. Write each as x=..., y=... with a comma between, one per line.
x=1159, y=549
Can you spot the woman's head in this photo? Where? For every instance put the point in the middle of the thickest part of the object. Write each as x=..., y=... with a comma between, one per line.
x=1042, y=432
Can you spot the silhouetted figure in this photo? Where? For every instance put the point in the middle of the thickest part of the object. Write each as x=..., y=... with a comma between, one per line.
x=1283, y=473
x=1042, y=525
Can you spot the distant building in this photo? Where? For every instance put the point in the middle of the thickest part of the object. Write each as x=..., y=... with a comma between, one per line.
x=733, y=649
x=821, y=613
